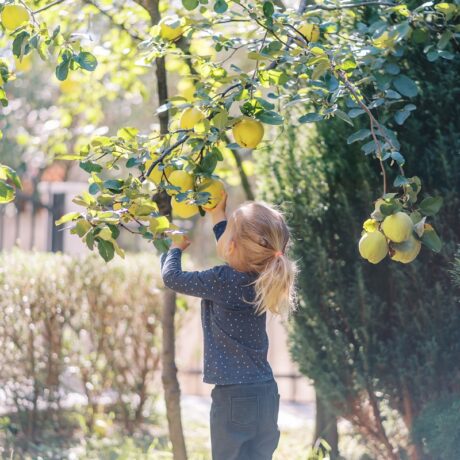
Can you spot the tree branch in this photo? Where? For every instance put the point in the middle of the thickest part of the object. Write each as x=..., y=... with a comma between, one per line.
x=46, y=7
x=163, y=155
x=348, y=6
x=373, y=123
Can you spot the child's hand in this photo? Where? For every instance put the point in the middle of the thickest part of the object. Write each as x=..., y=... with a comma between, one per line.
x=182, y=244
x=218, y=212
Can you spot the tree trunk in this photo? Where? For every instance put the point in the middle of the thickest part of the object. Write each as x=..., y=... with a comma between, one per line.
x=326, y=427
x=169, y=370
x=169, y=377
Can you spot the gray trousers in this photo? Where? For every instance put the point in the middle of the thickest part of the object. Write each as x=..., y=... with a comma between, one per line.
x=244, y=421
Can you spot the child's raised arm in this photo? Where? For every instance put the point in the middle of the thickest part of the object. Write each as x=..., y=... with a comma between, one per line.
x=204, y=284
x=218, y=213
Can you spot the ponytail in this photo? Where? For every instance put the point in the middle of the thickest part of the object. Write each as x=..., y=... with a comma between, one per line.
x=275, y=286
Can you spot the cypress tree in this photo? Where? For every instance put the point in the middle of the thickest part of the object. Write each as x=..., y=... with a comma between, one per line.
x=384, y=339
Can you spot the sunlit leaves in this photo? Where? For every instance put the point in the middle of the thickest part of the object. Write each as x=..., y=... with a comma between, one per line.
x=8, y=181
x=352, y=70
x=68, y=218
x=190, y=4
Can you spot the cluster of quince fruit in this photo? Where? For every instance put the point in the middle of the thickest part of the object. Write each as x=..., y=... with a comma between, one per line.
x=248, y=133
x=180, y=181
x=396, y=235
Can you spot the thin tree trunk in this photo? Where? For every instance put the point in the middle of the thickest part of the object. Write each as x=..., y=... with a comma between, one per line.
x=243, y=177
x=169, y=377
x=169, y=370
x=326, y=427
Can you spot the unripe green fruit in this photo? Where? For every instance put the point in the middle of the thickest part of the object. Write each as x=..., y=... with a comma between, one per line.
x=398, y=227
x=373, y=247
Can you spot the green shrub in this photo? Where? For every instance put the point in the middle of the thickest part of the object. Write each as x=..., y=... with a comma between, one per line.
x=437, y=428
x=78, y=325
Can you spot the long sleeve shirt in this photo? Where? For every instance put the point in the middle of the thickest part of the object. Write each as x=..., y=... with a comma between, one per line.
x=235, y=338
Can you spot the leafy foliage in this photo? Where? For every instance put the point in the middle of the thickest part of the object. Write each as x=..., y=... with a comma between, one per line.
x=356, y=68
x=436, y=428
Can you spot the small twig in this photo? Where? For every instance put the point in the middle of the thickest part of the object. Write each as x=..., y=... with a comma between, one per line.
x=348, y=6
x=129, y=230
x=261, y=24
x=253, y=79
x=164, y=154
x=373, y=123
x=46, y=7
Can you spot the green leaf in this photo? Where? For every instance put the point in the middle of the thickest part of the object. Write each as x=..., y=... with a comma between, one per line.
x=89, y=239
x=82, y=227
x=190, y=4
x=369, y=147
x=398, y=158
x=391, y=69
x=359, y=136
x=405, y=86
x=353, y=113
x=20, y=42
x=89, y=166
x=344, y=116
x=105, y=234
x=6, y=193
x=94, y=188
x=401, y=116
x=128, y=133
x=161, y=244
x=3, y=98
x=86, y=60
x=268, y=9
x=270, y=118
x=62, y=70
x=68, y=217
x=431, y=239
x=431, y=205
x=8, y=173
x=310, y=118
x=132, y=162
x=432, y=55
x=387, y=209
x=106, y=249
x=114, y=185
x=220, y=119
x=400, y=181
x=115, y=231
x=220, y=6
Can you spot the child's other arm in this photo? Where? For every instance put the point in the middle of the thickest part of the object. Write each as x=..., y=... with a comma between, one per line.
x=204, y=284
x=219, y=217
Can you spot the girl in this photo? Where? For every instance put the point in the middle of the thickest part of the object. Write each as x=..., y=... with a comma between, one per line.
x=257, y=278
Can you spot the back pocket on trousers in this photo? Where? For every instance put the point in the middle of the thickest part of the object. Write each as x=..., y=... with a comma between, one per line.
x=244, y=410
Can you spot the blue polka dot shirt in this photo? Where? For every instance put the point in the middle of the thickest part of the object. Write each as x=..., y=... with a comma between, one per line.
x=235, y=338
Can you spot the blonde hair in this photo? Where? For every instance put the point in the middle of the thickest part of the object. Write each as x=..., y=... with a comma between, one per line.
x=256, y=240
